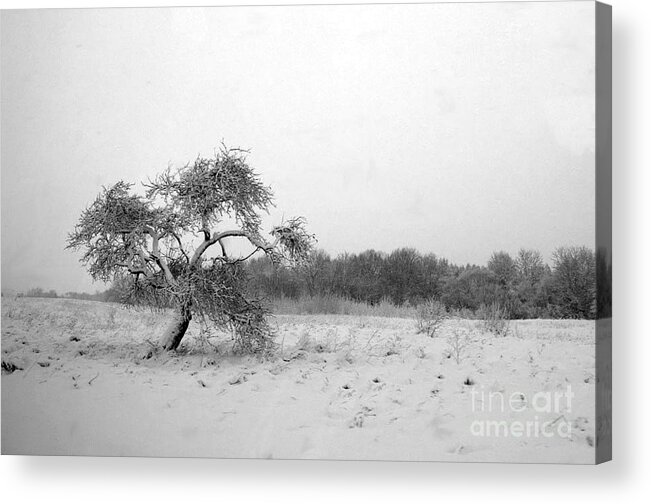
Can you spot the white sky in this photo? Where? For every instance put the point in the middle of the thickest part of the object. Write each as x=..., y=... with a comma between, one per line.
x=458, y=129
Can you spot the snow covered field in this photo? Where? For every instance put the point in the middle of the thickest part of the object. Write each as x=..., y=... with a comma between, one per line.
x=341, y=387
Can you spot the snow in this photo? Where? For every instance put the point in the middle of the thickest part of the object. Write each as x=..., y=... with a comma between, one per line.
x=339, y=387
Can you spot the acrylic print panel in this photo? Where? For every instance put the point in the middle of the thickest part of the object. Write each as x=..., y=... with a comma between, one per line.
x=371, y=232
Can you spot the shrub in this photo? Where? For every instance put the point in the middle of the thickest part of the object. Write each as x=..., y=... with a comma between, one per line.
x=429, y=317
x=458, y=342
x=495, y=318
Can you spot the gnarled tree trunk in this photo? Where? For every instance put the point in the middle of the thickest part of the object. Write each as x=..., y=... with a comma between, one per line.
x=176, y=330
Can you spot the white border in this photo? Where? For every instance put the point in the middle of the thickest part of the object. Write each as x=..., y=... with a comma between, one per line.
x=42, y=479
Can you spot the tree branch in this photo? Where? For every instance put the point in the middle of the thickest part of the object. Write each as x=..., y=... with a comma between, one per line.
x=155, y=253
x=178, y=240
x=259, y=243
x=132, y=270
x=242, y=259
x=221, y=244
x=205, y=228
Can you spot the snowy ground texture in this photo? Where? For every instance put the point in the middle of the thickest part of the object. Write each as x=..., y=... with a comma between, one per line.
x=341, y=387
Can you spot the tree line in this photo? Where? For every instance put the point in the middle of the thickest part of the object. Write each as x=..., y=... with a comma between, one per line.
x=111, y=295
x=524, y=285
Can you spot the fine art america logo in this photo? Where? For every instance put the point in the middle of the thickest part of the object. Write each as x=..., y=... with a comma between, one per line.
x=548, y=410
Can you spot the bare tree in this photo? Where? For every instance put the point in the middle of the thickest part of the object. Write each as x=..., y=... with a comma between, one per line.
x=530, y=266
x=157, y=245
x=504, y=267
x=314, y=271
x=574, y=281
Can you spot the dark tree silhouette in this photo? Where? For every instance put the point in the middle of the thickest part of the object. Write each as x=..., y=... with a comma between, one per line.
x=506, y=272
x=314, y=271
x=402, y=274
x=574, y=281
x=157, y=245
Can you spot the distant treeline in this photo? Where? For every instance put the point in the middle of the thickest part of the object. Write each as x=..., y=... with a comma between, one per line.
x=523, y=285
x=111, y=295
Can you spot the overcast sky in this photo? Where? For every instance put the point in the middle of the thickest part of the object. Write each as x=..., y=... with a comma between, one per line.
x=458, y=129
